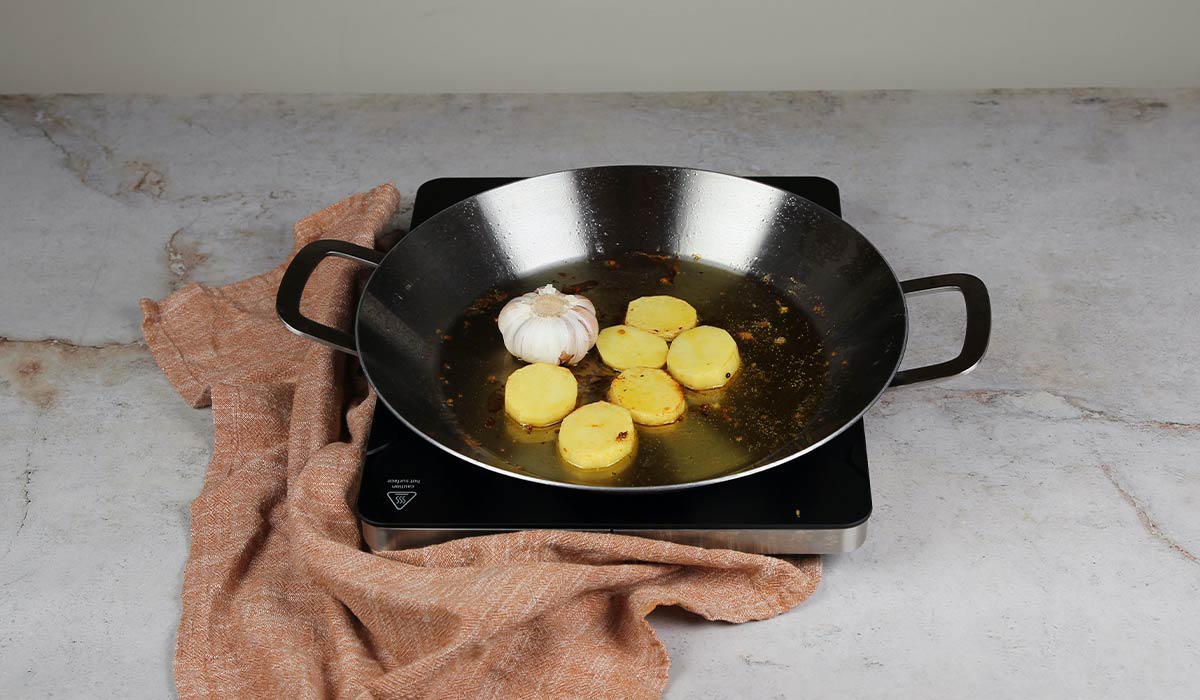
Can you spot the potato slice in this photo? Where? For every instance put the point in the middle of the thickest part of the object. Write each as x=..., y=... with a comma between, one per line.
x=705, y=357
x=663, y=316
x=540, y=394
x=596, y=436
x=622, y=347
x=650, y=395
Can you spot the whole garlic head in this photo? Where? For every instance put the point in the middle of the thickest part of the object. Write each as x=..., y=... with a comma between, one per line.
x=546, y=325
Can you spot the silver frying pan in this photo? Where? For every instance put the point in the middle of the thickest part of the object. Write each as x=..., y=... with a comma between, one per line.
x=818, y=314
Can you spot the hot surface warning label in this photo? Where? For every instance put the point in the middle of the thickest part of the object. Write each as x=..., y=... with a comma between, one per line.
x=401, y=498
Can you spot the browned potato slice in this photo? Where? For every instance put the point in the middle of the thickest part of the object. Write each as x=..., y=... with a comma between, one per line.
x=596, y=436
x=622, y=347
x=540, y=394
x=650, y=395
x=663, y=316
x=703, y=358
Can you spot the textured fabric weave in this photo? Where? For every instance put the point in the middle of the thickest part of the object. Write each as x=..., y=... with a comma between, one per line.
x=281, y=601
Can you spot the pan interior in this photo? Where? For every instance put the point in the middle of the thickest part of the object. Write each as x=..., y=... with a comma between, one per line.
x=754, y=242
x=770, y=403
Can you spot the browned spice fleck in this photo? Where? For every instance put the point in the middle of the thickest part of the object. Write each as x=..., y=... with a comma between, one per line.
x=745, y=335
x=671, y=263
x=780, y=340
x=581, y=287
x=486, y=301
x=447, y=337
x=491, y=379
x=622, y=435
x=620, y=331
x=612, y=264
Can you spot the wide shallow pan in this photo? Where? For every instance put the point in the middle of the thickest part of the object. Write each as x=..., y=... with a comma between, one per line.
x=819, y=315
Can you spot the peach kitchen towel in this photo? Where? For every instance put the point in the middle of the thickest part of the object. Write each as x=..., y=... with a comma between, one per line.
x=280, y=600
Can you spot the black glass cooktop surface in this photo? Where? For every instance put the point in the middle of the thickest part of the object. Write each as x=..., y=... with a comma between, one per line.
x=412, y=493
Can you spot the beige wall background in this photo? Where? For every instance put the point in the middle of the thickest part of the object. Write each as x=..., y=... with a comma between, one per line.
x=169, y=46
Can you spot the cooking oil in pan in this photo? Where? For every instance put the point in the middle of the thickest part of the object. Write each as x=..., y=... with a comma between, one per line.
x=750, y=421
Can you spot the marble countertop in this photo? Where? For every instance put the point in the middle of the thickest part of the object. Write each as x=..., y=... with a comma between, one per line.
x=1035, y=529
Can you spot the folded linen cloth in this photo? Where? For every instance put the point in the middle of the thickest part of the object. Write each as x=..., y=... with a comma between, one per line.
x=280, y=600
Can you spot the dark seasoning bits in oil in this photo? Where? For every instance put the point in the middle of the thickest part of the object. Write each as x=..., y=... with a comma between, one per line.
x=722, y=427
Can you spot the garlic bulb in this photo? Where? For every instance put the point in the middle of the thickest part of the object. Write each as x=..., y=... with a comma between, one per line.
x=546, y=325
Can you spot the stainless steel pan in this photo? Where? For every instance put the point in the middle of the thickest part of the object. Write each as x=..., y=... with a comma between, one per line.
x=819, y=315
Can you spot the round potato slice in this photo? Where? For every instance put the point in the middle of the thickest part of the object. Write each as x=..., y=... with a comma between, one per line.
x=622, y=347
x=651, y=396
x=705, y=357
x=596, y=436
x=663, y=316
x=540, y=394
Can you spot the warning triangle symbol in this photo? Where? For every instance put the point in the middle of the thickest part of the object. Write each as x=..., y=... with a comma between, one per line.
x=401, y=498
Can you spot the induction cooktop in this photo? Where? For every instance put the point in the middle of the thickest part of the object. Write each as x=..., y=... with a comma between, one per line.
x=413, y=494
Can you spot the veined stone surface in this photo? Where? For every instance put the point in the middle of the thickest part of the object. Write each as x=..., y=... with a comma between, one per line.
x=1035, y=529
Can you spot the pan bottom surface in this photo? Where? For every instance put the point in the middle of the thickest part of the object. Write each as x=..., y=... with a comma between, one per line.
x=769, y=405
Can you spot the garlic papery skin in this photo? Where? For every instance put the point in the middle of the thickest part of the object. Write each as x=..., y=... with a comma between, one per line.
x=546, y=325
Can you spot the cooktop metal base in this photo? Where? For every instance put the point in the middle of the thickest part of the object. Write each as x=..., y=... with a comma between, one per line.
x=413, y=494
x=382, y=539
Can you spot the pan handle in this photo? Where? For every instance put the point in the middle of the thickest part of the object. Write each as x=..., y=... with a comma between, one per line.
x=291, y=288
x=979, y=326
